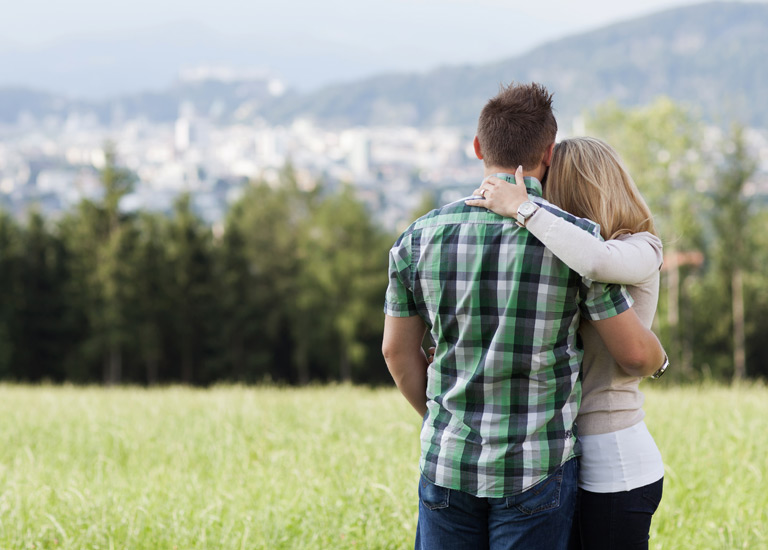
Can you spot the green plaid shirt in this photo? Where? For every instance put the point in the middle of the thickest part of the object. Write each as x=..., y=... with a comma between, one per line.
x=503, y=390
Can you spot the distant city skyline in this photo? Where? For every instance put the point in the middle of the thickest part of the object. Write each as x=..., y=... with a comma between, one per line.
x=95, y=49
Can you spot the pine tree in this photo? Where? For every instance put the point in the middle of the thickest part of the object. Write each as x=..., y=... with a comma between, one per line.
x=245, y=352
x=191, y=265
x=10, y=258
x=731, y=224
x=152, y=276
x=97, y=235
x=39, y=340
x=344, y=279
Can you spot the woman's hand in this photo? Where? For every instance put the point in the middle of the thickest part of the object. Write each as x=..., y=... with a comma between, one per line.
x=500, y=196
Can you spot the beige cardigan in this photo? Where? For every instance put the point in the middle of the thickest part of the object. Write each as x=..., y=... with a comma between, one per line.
x=611, y=399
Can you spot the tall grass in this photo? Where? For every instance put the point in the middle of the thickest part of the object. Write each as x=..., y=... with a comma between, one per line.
x=325, y=467
x=714, y=441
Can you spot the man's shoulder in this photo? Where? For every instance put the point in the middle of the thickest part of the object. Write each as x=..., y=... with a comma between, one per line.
x=456, y=209
x=452, y=213
x=458, y=212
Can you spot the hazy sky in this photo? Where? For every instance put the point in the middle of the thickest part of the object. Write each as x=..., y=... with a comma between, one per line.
x=449, y=28
x=322, y=40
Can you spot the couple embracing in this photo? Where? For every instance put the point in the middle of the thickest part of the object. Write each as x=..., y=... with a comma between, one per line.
x=538, y=292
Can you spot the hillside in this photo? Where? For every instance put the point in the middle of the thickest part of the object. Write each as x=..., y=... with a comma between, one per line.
x=712, y=56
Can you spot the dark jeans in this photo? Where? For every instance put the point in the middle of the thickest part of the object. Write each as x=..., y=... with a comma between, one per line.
x=615, y=521
x=540, y=518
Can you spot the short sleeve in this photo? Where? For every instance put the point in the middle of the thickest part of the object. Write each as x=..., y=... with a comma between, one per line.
x=603, y=301
x=399, y=300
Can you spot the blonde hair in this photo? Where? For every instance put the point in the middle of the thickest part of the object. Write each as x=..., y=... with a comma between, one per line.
x=588, y=179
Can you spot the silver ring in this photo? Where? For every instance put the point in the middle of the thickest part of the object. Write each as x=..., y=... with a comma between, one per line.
x=482, y=193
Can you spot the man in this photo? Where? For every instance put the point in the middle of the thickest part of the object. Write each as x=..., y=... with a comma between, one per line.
x=500, y=399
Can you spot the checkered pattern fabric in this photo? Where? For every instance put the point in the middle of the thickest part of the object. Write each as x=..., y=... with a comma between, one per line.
x=503, y=390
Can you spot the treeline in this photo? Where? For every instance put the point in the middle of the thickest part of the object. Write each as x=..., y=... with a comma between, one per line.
x=700, y=182
x=290, y=290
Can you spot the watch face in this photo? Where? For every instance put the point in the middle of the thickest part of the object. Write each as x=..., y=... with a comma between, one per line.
x=527, y=208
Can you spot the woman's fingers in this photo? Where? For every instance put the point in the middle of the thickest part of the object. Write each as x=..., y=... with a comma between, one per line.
x=485, y=190
x=519, y=179
x=499, y=196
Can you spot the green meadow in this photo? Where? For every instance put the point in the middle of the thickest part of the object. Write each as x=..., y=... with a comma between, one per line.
x=320, y=467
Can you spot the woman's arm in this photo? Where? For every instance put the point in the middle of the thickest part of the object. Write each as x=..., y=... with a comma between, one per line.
x=628, y=260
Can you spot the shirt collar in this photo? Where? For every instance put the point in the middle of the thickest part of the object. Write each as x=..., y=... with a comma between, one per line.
x=532, y=184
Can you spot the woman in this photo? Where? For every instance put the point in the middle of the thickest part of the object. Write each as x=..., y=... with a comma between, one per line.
x=621, y=471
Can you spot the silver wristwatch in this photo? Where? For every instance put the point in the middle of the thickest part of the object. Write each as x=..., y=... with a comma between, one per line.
x=656, y=375
x=525, y=211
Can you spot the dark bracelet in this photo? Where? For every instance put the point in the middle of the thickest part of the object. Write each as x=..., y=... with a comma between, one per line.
x=656, y=375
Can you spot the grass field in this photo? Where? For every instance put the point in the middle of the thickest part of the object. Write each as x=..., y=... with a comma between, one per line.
x=316, y=468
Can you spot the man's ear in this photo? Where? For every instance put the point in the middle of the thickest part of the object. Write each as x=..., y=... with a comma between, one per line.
x=547, y=160
x=478, y=151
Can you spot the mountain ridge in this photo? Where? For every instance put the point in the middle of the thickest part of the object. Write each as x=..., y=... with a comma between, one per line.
x=710, y=56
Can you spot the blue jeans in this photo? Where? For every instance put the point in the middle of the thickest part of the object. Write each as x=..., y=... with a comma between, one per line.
x=539, y=518
x=616, y=521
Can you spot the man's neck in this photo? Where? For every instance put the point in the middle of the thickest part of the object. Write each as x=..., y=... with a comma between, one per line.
x=537, y=173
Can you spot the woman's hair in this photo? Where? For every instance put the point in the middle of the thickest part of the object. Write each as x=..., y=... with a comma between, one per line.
x=588, y=179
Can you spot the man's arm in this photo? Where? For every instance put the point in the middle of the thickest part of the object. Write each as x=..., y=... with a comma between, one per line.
x=635, y=348
x=405, y=358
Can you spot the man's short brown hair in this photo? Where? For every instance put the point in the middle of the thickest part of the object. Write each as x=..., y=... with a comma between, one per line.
x=517, y=126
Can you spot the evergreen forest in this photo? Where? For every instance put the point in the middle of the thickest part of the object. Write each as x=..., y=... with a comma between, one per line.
x=290, y=288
